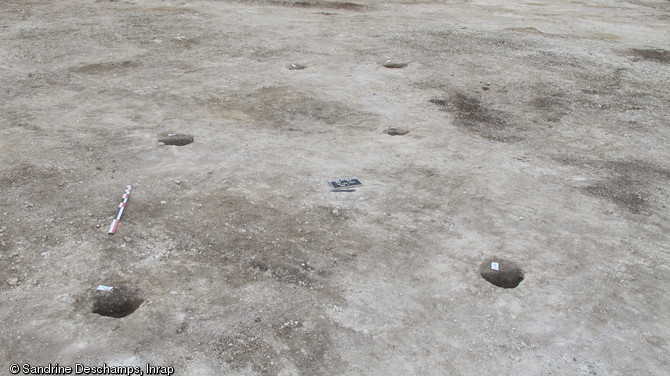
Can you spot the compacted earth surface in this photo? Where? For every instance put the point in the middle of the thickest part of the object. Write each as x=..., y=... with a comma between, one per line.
x=513, y=218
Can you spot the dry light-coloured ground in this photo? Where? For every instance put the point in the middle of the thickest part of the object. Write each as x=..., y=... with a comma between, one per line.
x=539, y=134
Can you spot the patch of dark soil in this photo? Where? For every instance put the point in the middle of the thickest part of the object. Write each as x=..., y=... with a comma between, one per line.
x=620, y=191
x=342, y=5
x=629, y=184
x=455, y=45
x=307, y=344
x=551, y=107
x=439, y=102
x=293, y=275
x=618, y=90
x=303, y=4
x=473, y=115
x=528, y=30
x=284, y=272
x=253, y=240
x=658, y=55
x=471, y=112
x=280, y=106
x=502, y=273
x=244, y=350
x=310, y=346
x=28, y=174
x=345, y=5
x=632, y=185
x=105, y=67
x=260, y=265
x=169, y=9
x=121, y=301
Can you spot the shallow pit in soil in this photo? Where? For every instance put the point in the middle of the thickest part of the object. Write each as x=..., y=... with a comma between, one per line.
x=394, y=64
x=119, y=302
x=396, y=131
x=177, y=139
x=508, y=274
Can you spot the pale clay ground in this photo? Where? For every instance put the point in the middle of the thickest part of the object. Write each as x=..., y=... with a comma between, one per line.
x=538, y=133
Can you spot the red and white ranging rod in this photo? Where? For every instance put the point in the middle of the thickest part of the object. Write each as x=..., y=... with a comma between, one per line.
x=119, y=211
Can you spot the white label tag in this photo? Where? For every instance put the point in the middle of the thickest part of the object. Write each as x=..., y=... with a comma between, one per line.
x=495, y=265
x=105, y=288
